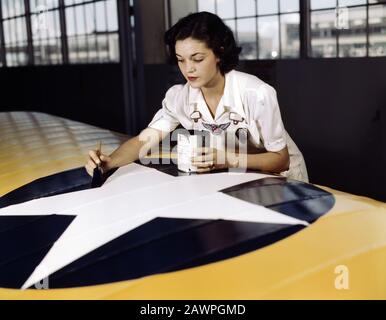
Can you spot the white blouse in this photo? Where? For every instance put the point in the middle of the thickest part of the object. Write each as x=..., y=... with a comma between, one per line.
x=245, y=98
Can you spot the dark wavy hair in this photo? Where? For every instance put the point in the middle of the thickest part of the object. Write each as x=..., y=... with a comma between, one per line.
x=209, y=28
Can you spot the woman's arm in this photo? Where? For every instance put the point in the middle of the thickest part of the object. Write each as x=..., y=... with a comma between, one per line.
x=210, y=159
x=274, y=162
x=130, y=151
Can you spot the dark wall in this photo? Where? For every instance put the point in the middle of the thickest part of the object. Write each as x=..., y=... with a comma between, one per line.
x=88, y=93
x=336, y=109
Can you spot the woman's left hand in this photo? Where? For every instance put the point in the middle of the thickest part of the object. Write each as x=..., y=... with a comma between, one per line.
x=209, y=159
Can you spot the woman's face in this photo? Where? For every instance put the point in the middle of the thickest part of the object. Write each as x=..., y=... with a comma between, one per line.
x=197, y=62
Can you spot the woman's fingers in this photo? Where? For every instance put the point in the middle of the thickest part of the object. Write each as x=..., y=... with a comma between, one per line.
x=89, y=170
x=204, y=150
x=94, y=160
x=105, y=158
x=205, y=158
x=208, y=164
x=93, y=155
x=202, y=170
x=91, y=164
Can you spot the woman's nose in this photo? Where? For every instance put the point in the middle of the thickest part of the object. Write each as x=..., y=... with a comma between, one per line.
x=189, y=68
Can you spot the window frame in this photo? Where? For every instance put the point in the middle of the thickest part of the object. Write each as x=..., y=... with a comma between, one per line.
x=63, y=38
x=305, y=37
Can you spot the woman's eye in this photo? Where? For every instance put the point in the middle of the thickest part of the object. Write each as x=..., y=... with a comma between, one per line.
x=199, y=60
x=180, y=61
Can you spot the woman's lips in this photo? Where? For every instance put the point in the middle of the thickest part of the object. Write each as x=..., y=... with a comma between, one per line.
x=192, y=78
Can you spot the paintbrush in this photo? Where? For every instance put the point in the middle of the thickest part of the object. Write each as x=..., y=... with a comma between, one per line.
x=97, y=177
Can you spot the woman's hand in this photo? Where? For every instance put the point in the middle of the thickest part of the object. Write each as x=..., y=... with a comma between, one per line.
x=95, y=159
x=209, y=159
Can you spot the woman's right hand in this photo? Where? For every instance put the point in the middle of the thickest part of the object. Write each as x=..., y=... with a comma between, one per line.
x=95, y=159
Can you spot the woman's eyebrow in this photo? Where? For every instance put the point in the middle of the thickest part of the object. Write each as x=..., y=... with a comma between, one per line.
x=194, y=54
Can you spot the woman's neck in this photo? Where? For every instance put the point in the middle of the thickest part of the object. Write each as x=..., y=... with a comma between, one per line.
x=215, y=88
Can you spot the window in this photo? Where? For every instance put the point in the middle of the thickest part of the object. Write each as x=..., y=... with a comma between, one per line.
x=35, y=31
x=377, y=30
x=92, y=31
x=348, y=28
x=265, y=29
x=46, y=34
x=15, y=32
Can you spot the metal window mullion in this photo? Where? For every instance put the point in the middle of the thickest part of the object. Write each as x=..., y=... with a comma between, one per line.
x=367, y=29
x=279, y=26
x=63, y=32
x=16, y=41
x=107, y=31
x=236, y=21
x=76, y=35
x=2, y=39
x=13, y=32
x=30, y=49
x=305, y=29
x=257, y=32
x=85, y=33
x=47, y=48
x=41, y=46
x=337, y=31
x=95, y=33
x=127, y=66
x=56, y=16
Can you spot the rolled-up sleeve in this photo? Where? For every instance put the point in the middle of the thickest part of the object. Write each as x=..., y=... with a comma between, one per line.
x=166, y=119
x=266, y=113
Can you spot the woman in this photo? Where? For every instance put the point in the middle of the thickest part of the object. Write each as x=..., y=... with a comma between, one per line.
x=215, y=98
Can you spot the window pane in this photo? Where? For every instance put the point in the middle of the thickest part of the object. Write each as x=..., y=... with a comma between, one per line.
x=4, y=8
x=246, y=29
x=226, y=9
x=245, y=8
x=267, y=7
x=46, y=38
x=102, y=43
x=82, y=49
x=92, y=32
x=101, y=24
x=90, y=14
x=323, y=34
x=80, y=22
x=268, y=29
x=206, y=5
x=289, y=5
x=39, y=26
x=352, y=41
x=290, y=41
x=21, y=29
x=113, y=47
x=92, y=49
x=322, y=4
x=70, y=21
x=345, y=3
x=7, y=32
x=47, y=51
x=112, y=20
x=72, y=48
x=52, y=24
x=231, y=24
x=41, y=5
x=377, y=26
x=18, y=7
